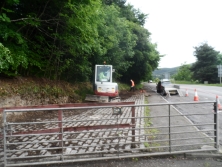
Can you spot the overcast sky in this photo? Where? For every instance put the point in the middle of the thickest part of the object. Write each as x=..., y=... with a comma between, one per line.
x=179, y=25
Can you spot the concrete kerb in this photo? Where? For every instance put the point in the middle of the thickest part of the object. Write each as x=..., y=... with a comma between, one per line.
x=204, y=155
x=207, y=154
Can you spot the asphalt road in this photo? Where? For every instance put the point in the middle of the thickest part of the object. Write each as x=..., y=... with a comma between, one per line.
x=207, y=92
x=204, y=93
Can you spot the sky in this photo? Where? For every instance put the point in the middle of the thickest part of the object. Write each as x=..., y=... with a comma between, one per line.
x=177, y=26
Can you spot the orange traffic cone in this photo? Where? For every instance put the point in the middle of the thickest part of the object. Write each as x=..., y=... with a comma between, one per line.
x=186, y=93
x=196, y=96
x=218, y=103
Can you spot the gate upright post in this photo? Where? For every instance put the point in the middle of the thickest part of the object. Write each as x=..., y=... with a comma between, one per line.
x=169, y=131
x=216, y=127
x=133, y=127
x=60, y=127
x=4, y=136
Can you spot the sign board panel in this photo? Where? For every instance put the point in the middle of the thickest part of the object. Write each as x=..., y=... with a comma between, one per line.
x=219, y=70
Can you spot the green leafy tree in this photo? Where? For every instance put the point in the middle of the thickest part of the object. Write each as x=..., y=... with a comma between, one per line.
x=131, y=52
x=205, y=68
x=50, y=38
x=116, y=41
x=145, y=58
x=80, y=38
x=219, y=59
x=6, y=59
x=183, y=73
x=65, y=39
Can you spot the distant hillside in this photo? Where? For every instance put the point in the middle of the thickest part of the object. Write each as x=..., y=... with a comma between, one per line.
x=164, y=72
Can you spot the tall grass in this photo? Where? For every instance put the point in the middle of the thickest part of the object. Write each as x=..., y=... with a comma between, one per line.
x=123, y=86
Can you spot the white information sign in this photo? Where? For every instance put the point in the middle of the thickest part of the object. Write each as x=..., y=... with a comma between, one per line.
x=219, y=72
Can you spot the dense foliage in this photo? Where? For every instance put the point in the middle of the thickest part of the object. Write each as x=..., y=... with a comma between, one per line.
x=65, y=39
x=205, y=68
x=184, y=73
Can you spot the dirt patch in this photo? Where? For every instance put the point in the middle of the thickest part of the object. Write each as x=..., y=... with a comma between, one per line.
x=40, y=90
x=125, y=94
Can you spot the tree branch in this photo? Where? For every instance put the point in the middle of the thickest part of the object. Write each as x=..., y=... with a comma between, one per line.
x=43, y=31
x=32, y=18
x=3, y=4
x=44, y=9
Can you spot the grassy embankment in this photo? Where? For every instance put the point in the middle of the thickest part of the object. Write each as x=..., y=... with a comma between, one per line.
x=44, y=88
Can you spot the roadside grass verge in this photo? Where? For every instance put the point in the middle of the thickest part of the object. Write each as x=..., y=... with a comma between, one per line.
x=194, y=83
x=183, y=82
x=151, y=132
x=219, y=85
x=123, y=86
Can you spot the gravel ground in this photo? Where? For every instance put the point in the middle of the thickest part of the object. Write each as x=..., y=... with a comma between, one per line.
x=170, y=161
x=189, y=160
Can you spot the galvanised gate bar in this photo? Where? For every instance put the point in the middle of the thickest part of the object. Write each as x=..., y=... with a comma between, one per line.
x=62, y=134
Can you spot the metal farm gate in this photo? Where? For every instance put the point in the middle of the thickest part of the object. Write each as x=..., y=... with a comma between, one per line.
x=84, y=132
